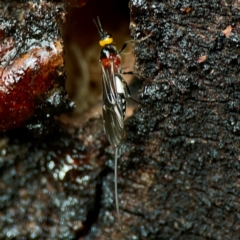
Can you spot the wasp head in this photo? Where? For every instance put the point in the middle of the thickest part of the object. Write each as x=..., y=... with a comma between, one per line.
x=105, y=38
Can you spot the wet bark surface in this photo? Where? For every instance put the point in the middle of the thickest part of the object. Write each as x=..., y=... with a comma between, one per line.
x=32, y=79
x=179, y=175
x=179, y=169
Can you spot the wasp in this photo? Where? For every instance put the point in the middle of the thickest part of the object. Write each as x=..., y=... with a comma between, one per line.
x=115, y=93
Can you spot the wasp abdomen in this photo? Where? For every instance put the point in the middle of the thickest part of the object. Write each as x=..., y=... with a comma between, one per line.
x=122, y=103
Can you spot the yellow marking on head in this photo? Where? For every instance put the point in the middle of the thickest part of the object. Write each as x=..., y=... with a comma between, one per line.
x=105, y=41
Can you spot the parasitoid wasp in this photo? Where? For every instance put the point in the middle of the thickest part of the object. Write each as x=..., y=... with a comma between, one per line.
x=115, y=93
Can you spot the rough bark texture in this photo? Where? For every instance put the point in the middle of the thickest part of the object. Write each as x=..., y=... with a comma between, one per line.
x=49, y=187
x=185, y=157
x=179, y=175
x=179, y=171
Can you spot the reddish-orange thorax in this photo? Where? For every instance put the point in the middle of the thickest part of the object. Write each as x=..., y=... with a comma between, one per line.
x=109, y=56
x=107, y=62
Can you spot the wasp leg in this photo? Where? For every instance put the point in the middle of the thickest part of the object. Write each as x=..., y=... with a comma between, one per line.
x=125, y=45
x=133, y=73
x=134, y=41
x=128, y=93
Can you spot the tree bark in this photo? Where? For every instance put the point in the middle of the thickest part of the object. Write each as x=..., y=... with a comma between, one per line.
x=179, y=174
x=179, y=169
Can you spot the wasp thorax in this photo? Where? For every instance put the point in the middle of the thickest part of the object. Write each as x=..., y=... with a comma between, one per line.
x=108, y=51
x=109, y=56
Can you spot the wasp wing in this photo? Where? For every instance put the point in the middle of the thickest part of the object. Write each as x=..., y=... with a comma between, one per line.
x=113, y=124
x=113, y=117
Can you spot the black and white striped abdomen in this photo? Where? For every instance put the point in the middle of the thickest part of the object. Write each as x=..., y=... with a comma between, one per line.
x=122, y=103
x=121, y=94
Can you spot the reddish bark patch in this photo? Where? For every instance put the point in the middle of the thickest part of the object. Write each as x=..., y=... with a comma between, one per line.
x=26, y=79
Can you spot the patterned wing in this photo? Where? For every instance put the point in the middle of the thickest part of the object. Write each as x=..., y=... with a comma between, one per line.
x=113, y=116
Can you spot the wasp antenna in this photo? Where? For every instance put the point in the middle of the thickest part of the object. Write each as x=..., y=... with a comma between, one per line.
x=99, y=23
x=99, y=26
x=116, y=187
